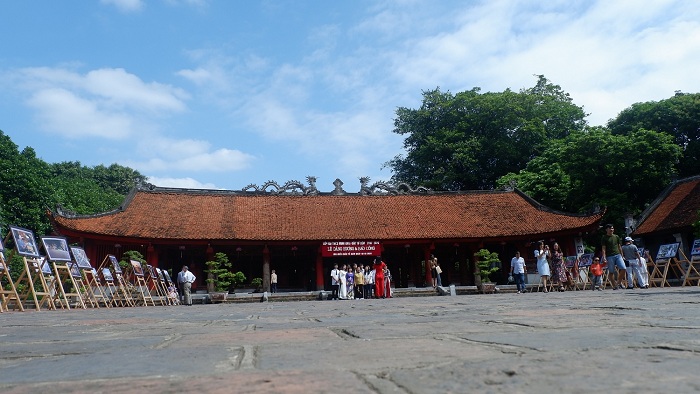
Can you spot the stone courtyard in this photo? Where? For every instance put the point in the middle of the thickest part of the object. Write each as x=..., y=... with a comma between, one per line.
x=626, y=341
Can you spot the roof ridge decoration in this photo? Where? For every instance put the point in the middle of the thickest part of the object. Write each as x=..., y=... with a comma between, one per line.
x=290, y=187
x=297, y=188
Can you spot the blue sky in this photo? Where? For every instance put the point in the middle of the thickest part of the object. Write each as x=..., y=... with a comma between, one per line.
x=222, y=94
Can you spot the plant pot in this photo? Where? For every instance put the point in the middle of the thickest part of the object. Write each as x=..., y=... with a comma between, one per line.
x=487, y=288
x=216, y=297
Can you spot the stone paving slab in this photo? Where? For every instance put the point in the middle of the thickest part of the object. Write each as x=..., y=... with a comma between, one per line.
x=576, y=342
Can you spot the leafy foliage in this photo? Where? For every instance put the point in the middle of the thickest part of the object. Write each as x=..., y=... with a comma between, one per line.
x=486, y=264
x=221, y=276
x=129, y=255
x=29, y=186
x=468, y=140
x=594, y=166
x=678, y=116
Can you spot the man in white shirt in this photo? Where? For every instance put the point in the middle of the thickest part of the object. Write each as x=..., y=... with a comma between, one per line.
x=335, y=281
x=517, y=270
x=187, y=279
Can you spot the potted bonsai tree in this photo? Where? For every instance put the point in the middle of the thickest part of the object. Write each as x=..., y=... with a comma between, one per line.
x=221, y=278
x=486, y=265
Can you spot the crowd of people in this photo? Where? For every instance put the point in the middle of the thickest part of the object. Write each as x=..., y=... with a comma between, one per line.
x=361, y=282
x=621, y=258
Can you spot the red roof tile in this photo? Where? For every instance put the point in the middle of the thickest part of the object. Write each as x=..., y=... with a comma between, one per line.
x=675, y=208
x=211, y=215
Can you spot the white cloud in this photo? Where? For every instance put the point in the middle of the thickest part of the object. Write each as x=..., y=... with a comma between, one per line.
x=187, y=183
x=109, y=103
x=125, y=5
x=62, y=112
x=166, y=154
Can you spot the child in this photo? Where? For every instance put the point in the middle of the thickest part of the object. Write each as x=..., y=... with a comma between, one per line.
x=597, y=271
x=173, y=299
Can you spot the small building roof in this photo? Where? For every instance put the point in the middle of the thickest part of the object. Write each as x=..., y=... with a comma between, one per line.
x=675, y=209
x=186, y=214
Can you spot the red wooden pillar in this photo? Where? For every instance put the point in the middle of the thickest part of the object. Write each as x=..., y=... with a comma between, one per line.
x=266, y=269
x=152, y=256
x=319, y=271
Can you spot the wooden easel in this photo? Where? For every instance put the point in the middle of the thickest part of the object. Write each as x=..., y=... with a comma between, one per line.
x=65, y=278
x=659, y=272
x=154, y=282
x=693, y=271
x=31, y=276
x=141, y=285
x=118, y=286
x=94, y=288
x=9, y=294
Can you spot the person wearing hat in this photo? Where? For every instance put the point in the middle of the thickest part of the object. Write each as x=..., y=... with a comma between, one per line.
x=631, y=254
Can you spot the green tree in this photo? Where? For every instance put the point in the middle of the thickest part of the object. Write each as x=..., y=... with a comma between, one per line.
x=678, y=116
x=29, y=187
x=595, y=167
x=468, y=140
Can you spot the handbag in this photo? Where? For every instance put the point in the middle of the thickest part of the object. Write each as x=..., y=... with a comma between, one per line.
x=438, y=269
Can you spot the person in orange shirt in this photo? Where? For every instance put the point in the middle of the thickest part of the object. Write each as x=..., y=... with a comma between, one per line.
x=597, y=271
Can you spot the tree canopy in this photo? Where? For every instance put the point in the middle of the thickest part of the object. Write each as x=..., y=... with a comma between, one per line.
x=678, y=116
x=468, y=140
x=596, y=167
x=29, y=186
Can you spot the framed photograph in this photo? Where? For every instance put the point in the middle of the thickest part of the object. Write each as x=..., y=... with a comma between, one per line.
x=151, y=271
x=24, y=242
x=167, y=276
x=81, y=258
x=569, y=261
x=137, y=268
x=586, y=260
x=694, y=251
x=45, y=265
x=74, y=270
x=667, y=251
x=115, y=264
x=160, y=274
x=56, y=248
x=107, y=275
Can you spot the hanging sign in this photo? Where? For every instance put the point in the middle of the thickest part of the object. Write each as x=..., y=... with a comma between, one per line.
x=350, y=248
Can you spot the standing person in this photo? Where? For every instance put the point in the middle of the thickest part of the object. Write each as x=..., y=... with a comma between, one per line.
x=335, y=281
x=273, y=282
x=439, y=272
x=631, y=254
x=359, y=283
x=187, y=279
x=558, y=267
x=342, y=281
x=612, y=255
x=387, y=282
x=379, y=277
x=350, y=283
x=369, y=282
x=433, y=270
x=517, y=269
x=597, y=272
x=180, y=284
x=541, y=254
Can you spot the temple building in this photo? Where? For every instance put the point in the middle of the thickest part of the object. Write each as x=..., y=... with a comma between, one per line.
x=301, y=232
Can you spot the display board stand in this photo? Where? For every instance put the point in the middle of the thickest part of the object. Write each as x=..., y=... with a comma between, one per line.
x=693, y=271
x=94, y=288
x=154, y=283
x=65, y=278
x=30, y=277
x=8, y=292
x=119, y=288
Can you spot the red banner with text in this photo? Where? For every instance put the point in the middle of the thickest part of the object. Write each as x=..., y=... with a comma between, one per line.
x=351, y=248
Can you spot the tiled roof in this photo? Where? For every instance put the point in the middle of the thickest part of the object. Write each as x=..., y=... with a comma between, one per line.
x=675, y=208
x=209, y=215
